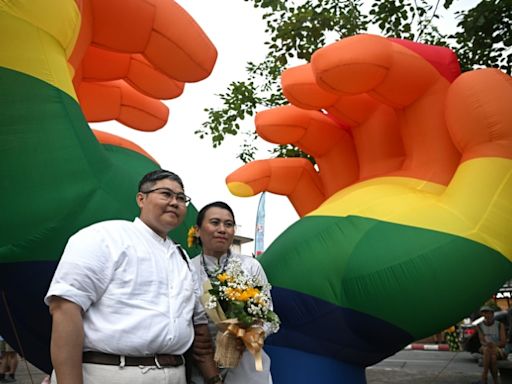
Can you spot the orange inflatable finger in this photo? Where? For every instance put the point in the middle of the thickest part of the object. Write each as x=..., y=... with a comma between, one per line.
x=300, y=88
x=161, y=30
x=102, y=65
x=409, y=87
x=389, y=72
x=295, y=178
x=476, y=100
x=115, y=100
x=316, y=134
x=372, y=125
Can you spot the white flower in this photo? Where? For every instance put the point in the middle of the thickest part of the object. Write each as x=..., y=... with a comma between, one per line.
x=274, y=327
x=211, y=303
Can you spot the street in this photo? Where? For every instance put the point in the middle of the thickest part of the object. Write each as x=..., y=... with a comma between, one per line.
x=412, y=366
x=422, y=367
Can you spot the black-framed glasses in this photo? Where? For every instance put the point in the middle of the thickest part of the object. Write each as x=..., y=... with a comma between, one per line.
x=168, y=194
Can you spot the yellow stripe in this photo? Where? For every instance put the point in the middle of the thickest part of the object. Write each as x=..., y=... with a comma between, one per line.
x=37, y=38
x=476, y=205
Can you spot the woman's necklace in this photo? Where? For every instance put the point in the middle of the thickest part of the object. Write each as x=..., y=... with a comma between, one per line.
x=221, y=269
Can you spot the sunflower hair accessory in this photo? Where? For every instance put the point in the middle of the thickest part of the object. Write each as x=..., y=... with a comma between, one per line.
x=192, y=237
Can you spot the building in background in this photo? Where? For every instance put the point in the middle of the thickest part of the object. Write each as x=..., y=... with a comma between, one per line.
x=237, y=243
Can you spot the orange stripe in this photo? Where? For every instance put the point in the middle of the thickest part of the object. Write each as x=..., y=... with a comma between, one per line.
x=108, y=138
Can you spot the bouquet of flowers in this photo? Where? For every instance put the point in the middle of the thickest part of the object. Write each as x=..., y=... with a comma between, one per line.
x=240, y=305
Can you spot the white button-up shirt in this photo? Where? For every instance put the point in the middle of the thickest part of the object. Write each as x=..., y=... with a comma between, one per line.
x=138, y=294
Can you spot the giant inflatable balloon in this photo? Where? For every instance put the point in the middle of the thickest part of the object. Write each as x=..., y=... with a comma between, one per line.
x=64, y=62
x=406, y=216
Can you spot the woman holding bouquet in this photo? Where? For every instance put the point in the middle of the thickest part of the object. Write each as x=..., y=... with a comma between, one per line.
x=214, y=231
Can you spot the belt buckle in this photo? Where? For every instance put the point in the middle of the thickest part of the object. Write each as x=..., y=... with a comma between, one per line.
x=168, y=360
x=157, y=363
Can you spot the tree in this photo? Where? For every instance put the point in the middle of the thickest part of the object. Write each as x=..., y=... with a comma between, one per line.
x=296, y=29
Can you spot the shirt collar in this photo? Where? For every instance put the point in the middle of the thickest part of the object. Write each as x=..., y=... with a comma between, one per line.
x=148, y=231
x=213, y=261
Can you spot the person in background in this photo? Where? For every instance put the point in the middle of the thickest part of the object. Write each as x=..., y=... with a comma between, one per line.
x=492, y=339
x=215, y=227
x=123, y=300
x=8, y=363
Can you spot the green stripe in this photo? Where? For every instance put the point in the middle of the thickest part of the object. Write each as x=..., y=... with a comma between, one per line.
x=417, y=279
x=55, y=176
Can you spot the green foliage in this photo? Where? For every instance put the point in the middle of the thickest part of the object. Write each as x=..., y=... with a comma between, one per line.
x=485, y=35
x=289, y=150
x=296, y=29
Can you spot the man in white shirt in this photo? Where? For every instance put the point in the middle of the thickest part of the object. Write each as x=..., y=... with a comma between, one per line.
x=123, y=299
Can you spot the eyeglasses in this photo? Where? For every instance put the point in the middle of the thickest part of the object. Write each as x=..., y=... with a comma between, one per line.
x=168, y=195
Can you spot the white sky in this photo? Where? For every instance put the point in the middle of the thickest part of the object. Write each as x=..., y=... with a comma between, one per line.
x=237, y=31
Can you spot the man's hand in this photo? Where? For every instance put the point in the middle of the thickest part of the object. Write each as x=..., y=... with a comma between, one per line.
x=202, y=351
x=202, y=347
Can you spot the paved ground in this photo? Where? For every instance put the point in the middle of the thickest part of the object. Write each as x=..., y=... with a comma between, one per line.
x=408, y=366
x=425, y=367
x=28, y=374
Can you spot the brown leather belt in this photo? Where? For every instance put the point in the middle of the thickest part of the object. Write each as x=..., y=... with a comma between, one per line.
x=131, y=361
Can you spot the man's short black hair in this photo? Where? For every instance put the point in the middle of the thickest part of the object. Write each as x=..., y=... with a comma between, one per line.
x=152, y=177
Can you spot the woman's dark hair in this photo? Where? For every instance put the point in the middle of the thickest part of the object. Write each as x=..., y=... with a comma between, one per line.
x=215, y=204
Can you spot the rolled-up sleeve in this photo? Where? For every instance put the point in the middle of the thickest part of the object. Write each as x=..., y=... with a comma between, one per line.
x=84, y=270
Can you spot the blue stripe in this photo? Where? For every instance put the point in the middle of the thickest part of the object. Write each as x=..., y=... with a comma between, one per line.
x=318, y=327
x=290, y=366
x=23, y=286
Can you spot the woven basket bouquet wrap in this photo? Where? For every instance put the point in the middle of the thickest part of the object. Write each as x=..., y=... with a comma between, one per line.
x=241, y=307
x=227, y=353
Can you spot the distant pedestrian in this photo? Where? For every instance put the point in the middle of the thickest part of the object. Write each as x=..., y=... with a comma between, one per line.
x=493, y=339
x=8, y=363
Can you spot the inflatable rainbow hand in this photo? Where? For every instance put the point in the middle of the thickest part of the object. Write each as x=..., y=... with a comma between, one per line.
x=406, y=223
x=61, y=60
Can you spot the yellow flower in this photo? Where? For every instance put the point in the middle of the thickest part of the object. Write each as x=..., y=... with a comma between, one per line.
x=244, y=296
x=248, y=293
x=191, y=236
x=222, y=277
x=252, y=292
x=233, y=293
